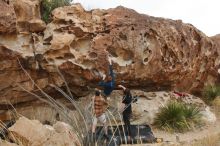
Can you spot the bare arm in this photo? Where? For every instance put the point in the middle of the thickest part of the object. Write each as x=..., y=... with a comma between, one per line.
x=109, y=60
x=120, y=86
x=103, y=77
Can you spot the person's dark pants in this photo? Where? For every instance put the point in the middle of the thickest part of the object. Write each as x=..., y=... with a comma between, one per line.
x=126, y=119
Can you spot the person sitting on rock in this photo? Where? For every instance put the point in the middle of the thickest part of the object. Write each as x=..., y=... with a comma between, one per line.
x=108, y=83
x=99, y=104
x=127, y=111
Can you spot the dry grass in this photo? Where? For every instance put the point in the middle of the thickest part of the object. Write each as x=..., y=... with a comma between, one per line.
x=210, y=92
x=208, y=141
x=213, y=140
x=216, y=106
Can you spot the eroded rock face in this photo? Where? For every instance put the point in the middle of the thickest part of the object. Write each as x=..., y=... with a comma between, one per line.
x=7, y=17
x=147, y=52
x=28, y=16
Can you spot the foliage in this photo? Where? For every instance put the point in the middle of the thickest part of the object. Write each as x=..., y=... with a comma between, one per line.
x=47, y=6
x=192, y=114
x=177, y=117
x=210, y=92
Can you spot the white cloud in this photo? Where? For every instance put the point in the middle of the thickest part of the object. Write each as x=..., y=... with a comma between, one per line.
x=204, y=14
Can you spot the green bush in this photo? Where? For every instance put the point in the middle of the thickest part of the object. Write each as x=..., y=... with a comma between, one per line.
x=47, y=6
x=177, y=117
x=192, y=114
x=210, y=92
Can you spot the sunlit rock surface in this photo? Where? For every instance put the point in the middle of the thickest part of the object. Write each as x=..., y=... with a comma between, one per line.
x=6, y=143
x=28, y=15
x=33, y=133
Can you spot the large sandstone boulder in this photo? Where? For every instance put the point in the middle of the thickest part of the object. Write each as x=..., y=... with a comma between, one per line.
x=147, y=52
x=29, y=132
x=33, y=133
x=145, y=110
x=7, y=17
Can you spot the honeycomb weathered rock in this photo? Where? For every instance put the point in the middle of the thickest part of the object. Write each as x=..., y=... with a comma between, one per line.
x=147, y=53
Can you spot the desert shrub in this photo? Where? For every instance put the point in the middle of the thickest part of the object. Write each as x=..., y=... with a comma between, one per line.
x=192, y=114
x=177, y=117
x=47, y=6
x=210, y=92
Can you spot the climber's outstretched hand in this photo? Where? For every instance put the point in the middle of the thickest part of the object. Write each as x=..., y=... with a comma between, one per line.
x=120, y=86
x=109, y=60
x=103, y=77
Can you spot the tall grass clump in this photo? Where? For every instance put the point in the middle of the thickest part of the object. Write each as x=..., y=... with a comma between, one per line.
x=210, y=92
x=177, y=117
x=47, y=6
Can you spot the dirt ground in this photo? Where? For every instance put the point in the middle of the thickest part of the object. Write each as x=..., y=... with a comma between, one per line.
x=208, y=135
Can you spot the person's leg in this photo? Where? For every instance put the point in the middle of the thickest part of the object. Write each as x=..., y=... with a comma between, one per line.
x=94, y=123
x=103, y=120
x=126, y=119
x=129, y=125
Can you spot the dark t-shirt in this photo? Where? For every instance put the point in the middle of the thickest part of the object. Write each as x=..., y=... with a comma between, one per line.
x=127, y=100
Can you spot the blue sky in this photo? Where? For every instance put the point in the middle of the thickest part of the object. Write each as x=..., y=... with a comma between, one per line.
x=203, y=14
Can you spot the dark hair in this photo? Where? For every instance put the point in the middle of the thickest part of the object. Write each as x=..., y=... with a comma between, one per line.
x=127, y=92
x=97, y=93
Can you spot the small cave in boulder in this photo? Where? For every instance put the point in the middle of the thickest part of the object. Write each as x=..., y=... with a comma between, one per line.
x=145, y=60
x=93, y=55
x=69, y=56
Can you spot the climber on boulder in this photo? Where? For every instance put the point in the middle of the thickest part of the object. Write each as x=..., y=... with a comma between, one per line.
x=108, y=83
